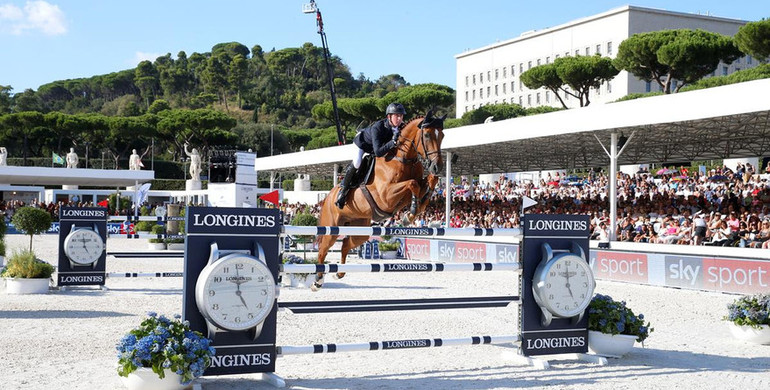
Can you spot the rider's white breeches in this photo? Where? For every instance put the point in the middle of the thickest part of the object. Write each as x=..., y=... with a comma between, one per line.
x=357, y=158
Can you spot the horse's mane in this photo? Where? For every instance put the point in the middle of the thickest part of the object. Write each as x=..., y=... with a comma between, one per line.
x=413, y=120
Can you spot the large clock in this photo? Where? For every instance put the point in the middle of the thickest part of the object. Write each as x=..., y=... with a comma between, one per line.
x=235, y=291
x=83, y=246
x=563, y=284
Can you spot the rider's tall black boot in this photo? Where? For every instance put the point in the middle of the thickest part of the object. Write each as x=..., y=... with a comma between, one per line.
x=350, y=171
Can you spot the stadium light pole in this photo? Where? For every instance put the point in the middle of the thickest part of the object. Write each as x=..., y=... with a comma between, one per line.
x=310, y=8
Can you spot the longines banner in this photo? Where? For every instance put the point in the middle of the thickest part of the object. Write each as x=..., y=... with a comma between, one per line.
x=232, y=229
x=82, y=246
x=561, y=335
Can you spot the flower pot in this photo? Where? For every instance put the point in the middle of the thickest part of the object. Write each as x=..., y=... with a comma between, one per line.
x=388, y=254
x=752, y=335
x=26, y=286
x=157, y=246
x=609, y=345
x=301, y=280
x=175, y=246
x=144, y=379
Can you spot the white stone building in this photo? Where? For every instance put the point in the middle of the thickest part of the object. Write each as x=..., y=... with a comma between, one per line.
x=490, y=75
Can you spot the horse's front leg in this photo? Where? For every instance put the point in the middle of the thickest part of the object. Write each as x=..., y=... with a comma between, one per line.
x=430, y=184
x=401, y=194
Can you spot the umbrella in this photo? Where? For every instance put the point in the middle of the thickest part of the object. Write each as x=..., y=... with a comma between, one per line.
x=665, y=171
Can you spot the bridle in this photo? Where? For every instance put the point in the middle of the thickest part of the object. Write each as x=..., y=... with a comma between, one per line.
x=424, y=160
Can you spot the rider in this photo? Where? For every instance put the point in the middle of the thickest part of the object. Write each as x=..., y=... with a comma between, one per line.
x=379, y=138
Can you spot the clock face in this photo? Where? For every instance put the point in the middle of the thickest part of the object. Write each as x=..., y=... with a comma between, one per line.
x=565, y=285
x=236, y=292
x=83, y=246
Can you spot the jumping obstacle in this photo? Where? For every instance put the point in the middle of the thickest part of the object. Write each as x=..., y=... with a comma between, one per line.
x=397, y=231
x=145, y=274
x=307, y=307
x=398, y=267
x=395, y=344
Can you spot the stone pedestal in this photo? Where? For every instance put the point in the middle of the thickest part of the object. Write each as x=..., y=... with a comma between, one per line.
x=190, y=185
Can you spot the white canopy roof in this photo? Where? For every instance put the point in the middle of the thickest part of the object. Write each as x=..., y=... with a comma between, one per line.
x=723, y=122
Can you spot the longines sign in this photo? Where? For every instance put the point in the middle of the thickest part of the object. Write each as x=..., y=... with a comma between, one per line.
x=228, y=220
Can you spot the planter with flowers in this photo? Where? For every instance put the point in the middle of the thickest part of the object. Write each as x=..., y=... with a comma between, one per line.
x=301, y=279
x=613, y=328
x=388, y=250
x=162, y=354
x=26, y=274
x=749, y=318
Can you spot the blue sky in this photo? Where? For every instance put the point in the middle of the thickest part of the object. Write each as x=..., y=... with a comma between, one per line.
x=44, y=41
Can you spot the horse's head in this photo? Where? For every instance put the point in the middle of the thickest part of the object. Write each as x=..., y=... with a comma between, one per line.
x=426, y=135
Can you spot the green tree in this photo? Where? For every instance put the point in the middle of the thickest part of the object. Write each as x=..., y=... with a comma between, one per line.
x=753, y=38
x=668, y=55
x=146, y=79
x=581, y=73
x=5, y=99
x=31, y=221
x=498, y=111
x=215, y=77
x=544, y=76
x=237, y=75
x=419, y=98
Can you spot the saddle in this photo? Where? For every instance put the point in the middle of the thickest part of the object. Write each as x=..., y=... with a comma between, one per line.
x=365, y=172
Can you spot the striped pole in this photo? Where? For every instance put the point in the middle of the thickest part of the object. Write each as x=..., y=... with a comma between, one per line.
x=397, y=267
x=145, y=274
x=395, y=344
x=308, y=307
x=396, y=231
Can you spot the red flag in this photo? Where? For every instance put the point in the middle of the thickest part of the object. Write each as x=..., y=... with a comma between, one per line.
x=271, y=197
x=104, y=203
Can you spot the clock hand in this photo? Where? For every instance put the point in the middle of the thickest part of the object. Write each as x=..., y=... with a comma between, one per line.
x=85, y=247
x=566, y=275
x=238, y=292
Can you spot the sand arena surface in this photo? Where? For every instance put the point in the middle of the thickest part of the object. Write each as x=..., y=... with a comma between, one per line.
x=66, y=339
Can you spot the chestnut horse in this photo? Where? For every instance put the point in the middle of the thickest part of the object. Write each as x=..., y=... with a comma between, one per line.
x=397, y=182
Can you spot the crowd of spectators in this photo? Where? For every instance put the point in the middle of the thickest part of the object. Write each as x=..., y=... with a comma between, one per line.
x=722, y=206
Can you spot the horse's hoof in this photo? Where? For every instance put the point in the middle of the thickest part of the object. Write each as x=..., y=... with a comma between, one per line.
x=315, y=286
x=339, y=275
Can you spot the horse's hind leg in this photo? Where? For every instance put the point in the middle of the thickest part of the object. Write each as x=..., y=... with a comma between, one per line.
x=325, y=243
x=349, y=243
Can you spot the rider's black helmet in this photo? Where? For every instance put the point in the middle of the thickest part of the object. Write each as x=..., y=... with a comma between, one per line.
x=395, y=108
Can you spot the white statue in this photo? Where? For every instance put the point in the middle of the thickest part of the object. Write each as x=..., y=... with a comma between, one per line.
x=3, y=156
x=72, y=159
x=135, y=160
x=195, y=163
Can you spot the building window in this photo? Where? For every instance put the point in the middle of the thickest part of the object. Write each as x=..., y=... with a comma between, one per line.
x=481, y=93
x=588, y=50
x=474, y=79
x=529, y=65
x=497, y=72
x=489, y=91
x=557, y=57
x=547, y=96
x=647, y=87
x=481, y=77
x=521, y=68
x=505, y=101
x=724, y=71
x=748, y=59
x=547, y=60
x=495, y=90
x=538, y=62
x=566, y=54
x=513, y=67
x=598, y=49
x=609, y=48
x=520, y=86
x=537, y=98
x=529, y=100
x=504, y=88
x=520, y=103
x=474, y=94
x=466, y=81
x=609, y=87
x=512, y=88
x=577, y=52
x=466, y=108
x=466, y=96
x=489, y=75
x=505, y=71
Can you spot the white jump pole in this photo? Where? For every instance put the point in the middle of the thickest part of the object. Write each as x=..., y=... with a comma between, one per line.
x=396, y=344
x=398, y=267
